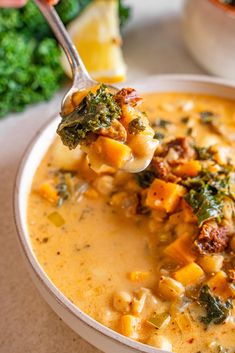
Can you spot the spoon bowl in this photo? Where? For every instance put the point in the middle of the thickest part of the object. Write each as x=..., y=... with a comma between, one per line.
x=81, y=78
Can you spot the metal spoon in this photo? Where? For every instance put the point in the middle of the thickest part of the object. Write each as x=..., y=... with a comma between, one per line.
x=81, y=78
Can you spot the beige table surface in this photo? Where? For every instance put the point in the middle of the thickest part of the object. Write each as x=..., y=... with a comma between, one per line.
x=152, y=45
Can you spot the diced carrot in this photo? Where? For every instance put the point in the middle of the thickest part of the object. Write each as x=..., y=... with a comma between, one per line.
x=48, y=191
x=110, y=152
x=181, y=250
x=189, y=168
x=138, y=276
x=190, y=274
x=164, y=196
x=129, y=326
x=220, y=286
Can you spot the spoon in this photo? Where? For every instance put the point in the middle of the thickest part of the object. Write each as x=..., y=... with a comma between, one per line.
x=81, y=78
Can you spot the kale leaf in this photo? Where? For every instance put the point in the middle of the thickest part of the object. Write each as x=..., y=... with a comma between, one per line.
x=207, y=117
x=205, y=203
x=159, y=136
x=203, y=153
x=136, y=126
x=206, y=193
x=217, y=311
x=145, y=178
x=96, y=110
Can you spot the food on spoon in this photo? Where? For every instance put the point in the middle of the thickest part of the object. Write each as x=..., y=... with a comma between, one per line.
x=110, y=127
x=31, y=70
x=150, y=254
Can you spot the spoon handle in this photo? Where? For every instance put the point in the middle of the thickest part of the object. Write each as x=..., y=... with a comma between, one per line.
x=63, y=38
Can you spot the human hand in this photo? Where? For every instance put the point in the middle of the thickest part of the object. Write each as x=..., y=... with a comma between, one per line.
x=12, y=3
x=19, y=3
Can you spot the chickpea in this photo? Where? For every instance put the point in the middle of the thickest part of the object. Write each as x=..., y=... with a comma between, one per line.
x=104, y=184
x=160, y=341
x=122, y=301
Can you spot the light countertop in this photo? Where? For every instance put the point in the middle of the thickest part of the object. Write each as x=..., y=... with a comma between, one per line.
x=152, y=45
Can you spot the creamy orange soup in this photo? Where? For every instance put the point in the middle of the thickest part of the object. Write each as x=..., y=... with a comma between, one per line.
x=148, y=255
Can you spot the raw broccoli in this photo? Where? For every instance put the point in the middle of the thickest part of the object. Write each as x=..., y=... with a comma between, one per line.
x=94, y=112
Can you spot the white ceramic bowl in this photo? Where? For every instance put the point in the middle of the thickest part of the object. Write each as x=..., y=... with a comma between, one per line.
x=92, y=331
x=208, y=29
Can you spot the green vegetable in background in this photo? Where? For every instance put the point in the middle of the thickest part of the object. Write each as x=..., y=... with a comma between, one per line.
x=30, y=68
x=94, y=112
x=217, y=311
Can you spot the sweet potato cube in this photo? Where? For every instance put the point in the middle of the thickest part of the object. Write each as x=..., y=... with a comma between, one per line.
x=48, y=191
x=164, y=196
x=110, y=152
x=190, y=274
x=190, y=168
x=220, y=286
x=129, y=326
x=181, y=250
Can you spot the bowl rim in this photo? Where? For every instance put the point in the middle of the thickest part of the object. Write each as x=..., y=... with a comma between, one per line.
x=28, y=251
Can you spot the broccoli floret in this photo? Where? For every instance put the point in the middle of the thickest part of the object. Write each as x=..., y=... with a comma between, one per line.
x=124, y=13
x=94, y=112
x=216, y=310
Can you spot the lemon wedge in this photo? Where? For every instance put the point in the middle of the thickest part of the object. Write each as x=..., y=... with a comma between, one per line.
x=96, y=35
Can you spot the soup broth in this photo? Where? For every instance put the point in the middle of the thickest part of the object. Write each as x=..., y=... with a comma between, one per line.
x=134, y=251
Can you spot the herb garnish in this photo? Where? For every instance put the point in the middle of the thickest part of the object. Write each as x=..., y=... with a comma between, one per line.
x=203, y=153
x=94, y=112
x=159, y=136
x=185, y=119
x=136, y=126
x=163, y=123
x=217, y=311
x=207, y=117
x=145, y=178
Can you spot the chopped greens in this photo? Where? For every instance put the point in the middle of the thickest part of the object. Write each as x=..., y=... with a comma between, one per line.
x=207, y=117
x=163, y=123
x=136, y=126
x=206, y=193
x=96, y=110
x=217, y=311
x=203, y=153
x=185, y=120
x=145, y=178
x=159, y=136
x=205, y=204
